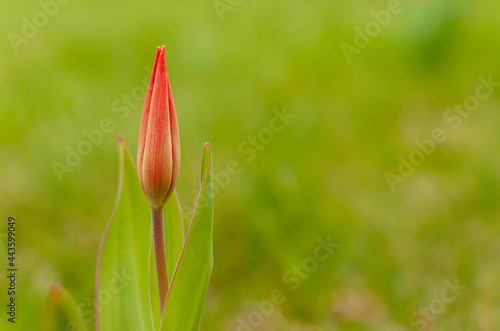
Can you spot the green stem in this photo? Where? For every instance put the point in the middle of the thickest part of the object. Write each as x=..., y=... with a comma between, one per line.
x=160, y=256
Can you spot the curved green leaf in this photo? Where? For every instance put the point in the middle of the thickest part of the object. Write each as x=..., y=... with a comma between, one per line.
x=190, y=281
x=174, y=233
x=123, y=279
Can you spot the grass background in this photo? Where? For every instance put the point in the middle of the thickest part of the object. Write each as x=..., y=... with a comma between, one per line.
x=321, y=176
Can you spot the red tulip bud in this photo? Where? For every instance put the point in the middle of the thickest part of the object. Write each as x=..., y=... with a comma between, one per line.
x=158, y=153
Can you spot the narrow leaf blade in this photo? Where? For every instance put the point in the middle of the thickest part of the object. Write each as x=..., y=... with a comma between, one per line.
x=174, y=233
x=123, y=292
x=190, y=283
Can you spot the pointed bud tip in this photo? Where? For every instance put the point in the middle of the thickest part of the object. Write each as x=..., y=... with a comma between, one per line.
x=120, y=139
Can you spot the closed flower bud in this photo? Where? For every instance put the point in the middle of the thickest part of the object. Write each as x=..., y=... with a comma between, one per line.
x=158, y=153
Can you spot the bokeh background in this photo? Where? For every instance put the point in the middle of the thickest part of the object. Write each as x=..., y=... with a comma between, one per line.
x=323, y=176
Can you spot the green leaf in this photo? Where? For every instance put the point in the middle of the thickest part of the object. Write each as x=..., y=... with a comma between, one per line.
x=174, y=233
x=190, y=282
x=123, y=288
x=60, y=312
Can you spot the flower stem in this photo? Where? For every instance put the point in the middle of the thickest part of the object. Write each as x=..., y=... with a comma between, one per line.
x=160, y=256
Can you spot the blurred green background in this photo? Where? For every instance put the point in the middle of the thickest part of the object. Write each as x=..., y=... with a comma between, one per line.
x=322, y=176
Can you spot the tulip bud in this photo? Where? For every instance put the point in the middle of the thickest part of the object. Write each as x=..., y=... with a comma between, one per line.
x=158, y=153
